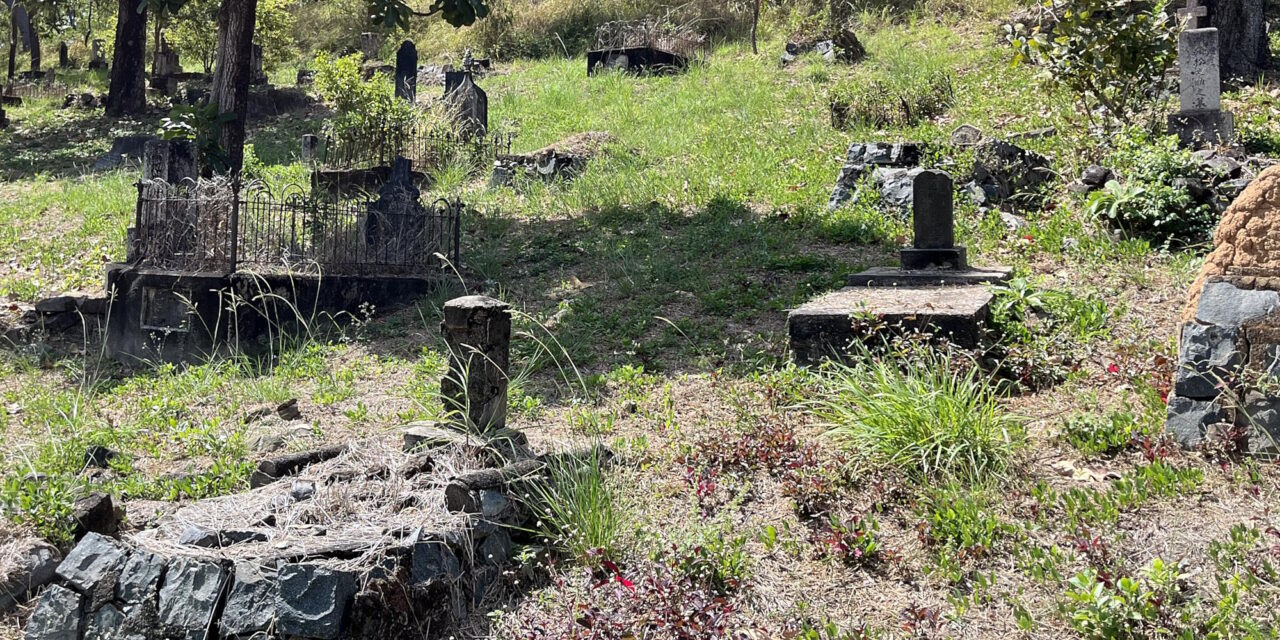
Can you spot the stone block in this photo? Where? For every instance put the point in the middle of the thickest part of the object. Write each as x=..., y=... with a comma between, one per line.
x=824, y=327
x=892, y=277
x=104, y=624
x=1203, y=128
x=1206, y=360
x=252, y=603
x=140, y=577
x=313, y=601
x=1222, y=304
x=434, y=560
x=36, y=567
x=1260, y=416
x=92, y=561
x=1188, y=420
x=57, y=615
x=190, y=594
x=495, y=549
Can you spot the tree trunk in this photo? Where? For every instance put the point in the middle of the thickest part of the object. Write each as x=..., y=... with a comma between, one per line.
x=755, y=26
x=1242, y=29
x=127, y=93
x=230, y=91
x=155, y=47
x=35, y=49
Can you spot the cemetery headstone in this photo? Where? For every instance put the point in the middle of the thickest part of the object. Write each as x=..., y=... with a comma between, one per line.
x=394, y=227
x=1229, y=347
x=469, y=106
x=4, y=118
x=1195, y=15
x=369, y=45
x=1200, y=120
x=934, y=291
x=477, y=330
x=407, y=71
x=310, y=147
x=257, y=75
x=64, y=56
x=167, y=62
x=97, y=61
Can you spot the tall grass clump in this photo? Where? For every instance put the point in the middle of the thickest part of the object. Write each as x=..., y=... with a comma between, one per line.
x=577, y=509
x=924, y=416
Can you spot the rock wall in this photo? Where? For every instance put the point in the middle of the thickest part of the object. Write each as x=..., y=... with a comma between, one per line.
x=1229, y=344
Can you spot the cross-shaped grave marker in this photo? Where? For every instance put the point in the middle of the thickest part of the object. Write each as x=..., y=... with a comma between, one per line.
x=1195, y=13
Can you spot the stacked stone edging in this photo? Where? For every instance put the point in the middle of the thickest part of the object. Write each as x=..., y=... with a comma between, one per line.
x=1230, y=334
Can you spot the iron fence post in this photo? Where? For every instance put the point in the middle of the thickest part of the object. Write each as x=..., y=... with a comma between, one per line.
x=235, y=224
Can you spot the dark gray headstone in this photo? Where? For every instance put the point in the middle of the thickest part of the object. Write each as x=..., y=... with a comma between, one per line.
x=310, y=147
x=469, y=106
x=369, y=45
x=313, y=601
x=933, y=217
x=395, y=225
x=256, y=73
x=407, y=71
x=64, y=56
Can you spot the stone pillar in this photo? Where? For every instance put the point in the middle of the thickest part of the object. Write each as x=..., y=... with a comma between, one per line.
x=407, y=71
x=256, y=73
x=64, y=57
x=1201, y=120
x=369, y=45
x=477, y=330
x=310, y=147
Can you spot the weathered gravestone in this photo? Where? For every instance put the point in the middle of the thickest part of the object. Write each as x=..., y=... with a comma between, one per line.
x=310, y=147
x=369, y=45
x=1229, y=352
x=257, y=75
x=97, y=62
x=477, y=330
x=394, y=228
x=933, y=291
x=4, y=118
x=64, y=56
x=407, y=71
x=1200, y=120
x=469, y=106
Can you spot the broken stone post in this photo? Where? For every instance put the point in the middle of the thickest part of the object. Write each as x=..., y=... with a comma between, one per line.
x=64, y=56
x=369, y=45
x=477, y=330
x=469, y=106
x=1201, y=120
x=407, y=71
x=933, y=220
x=310, y=147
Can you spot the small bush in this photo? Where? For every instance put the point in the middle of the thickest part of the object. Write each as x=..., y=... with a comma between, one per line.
x=896, y=101
x=1102, y=436
x=1112, y=54
x=1104, y=607
x=960, y=521
x=577, y=509
x=927, y=418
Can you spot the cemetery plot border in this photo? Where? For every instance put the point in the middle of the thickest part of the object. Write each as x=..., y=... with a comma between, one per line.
x=216, y=226
x=35, y=90
x=427, y=147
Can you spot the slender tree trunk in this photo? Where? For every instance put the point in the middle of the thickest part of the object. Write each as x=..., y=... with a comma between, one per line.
x=755, y=25
x=35, y=48
x=230, y=89
x=1242, y=32
x=155, y=47
x=127, y=93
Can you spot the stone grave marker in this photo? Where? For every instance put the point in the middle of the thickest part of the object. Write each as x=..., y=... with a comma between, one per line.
x=96, y=60
x=369, y=45
x=1200, y=120
x=394, y=227
x=934, y=290
x=257, y=75
x=469, y=106
x=477, y=330
x=310, y=147
x=407, y=71
x=1195, y=14
x=1229, y=342
x=64, y=56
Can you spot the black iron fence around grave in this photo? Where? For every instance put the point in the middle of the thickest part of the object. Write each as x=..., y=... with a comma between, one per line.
x=222, y=226
x=35, y=89
x=427, y=145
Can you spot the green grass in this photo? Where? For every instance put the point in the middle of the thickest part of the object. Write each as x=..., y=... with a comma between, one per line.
x=920, y=416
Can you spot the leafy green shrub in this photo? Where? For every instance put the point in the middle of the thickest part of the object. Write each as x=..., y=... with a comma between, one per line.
x=1103, y=436
x=1109, y=608
x=928, y=418
x=1112, y=54
x=362, y=107
x=1023, y=311
x=961, y=520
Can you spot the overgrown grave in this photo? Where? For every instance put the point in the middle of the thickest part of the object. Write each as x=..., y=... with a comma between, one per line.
x=366, y=539
x=1200, y=120
x=933, y=291
x=217, y=265
x=648, y=46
